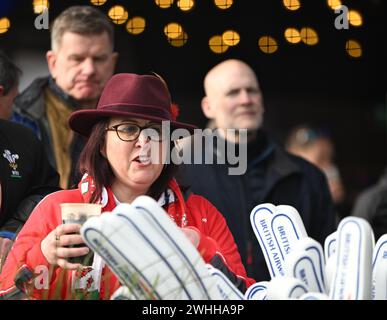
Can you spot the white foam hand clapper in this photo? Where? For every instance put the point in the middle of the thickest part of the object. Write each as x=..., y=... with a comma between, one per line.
x=352, y=278
x=330, y=245
x=306, y=262
x=122, y=293
x=226, y=288
x=283, y=288
x=379, y=269
x=314, y=296
x=277, y=228
x=257, y=291
x=149, y=254
x=330, y=270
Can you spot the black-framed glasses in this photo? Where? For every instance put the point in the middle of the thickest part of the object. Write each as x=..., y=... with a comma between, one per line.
x=130, y=131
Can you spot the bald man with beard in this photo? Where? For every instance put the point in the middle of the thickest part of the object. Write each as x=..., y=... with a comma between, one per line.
x=233, y=100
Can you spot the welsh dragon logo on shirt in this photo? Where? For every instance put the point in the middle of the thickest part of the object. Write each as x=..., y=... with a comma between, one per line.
x=12, y=163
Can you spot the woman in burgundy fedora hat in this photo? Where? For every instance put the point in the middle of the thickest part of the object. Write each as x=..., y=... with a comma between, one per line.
x=124, y=157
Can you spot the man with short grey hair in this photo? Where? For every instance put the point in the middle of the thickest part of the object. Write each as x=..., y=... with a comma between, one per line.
x=81, y=61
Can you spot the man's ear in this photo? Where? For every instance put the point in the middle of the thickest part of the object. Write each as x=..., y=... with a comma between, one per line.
x=114, y=58
x=1, y=91
x=207, y=108
x=51, y=62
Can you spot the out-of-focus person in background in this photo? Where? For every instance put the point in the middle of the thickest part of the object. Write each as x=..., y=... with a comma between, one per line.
x=81, y=61
x=25, y=173
x=371, y=204
x=26, y=177
x=9, y=82
x=316, y=146
x=234, y=103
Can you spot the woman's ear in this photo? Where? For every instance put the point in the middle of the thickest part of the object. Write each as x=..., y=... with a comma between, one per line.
x=102, y=149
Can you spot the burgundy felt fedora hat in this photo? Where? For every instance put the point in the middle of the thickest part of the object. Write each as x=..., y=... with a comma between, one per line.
x=129, y=95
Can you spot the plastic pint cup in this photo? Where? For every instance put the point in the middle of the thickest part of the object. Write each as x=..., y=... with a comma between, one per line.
x=79, y=213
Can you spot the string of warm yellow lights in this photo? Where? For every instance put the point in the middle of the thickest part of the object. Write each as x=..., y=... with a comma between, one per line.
x=292, y=4
x=136, y=25
x=40, y=5
x=177, y=36
x=118, y=14
x=5, y=24
x=98, y=2
x=355, y=19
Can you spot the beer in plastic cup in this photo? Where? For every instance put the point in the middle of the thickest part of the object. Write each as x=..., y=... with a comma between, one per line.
x=79, y=213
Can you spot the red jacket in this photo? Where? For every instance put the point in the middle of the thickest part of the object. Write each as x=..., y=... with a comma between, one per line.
x=216, y=244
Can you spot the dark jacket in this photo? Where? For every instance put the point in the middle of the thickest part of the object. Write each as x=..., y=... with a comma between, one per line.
x=371, y=205
x=272, y=176
x=29, y=110
x=26, y=176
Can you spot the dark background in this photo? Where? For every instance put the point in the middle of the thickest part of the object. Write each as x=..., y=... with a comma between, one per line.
x=320, y=85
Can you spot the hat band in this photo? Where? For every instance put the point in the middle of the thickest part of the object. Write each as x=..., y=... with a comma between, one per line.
x=140, y=110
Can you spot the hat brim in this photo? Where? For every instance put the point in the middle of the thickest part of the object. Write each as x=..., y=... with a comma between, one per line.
x=82, y=121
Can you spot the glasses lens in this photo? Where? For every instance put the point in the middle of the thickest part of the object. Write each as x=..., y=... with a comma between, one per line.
x=128, y=132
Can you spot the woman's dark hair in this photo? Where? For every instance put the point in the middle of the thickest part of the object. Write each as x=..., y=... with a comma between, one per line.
x=92, y=162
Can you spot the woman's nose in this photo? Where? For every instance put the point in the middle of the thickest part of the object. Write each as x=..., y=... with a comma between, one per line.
x=142, y=139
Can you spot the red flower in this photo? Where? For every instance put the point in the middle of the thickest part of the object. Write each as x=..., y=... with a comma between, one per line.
x=175, y=111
